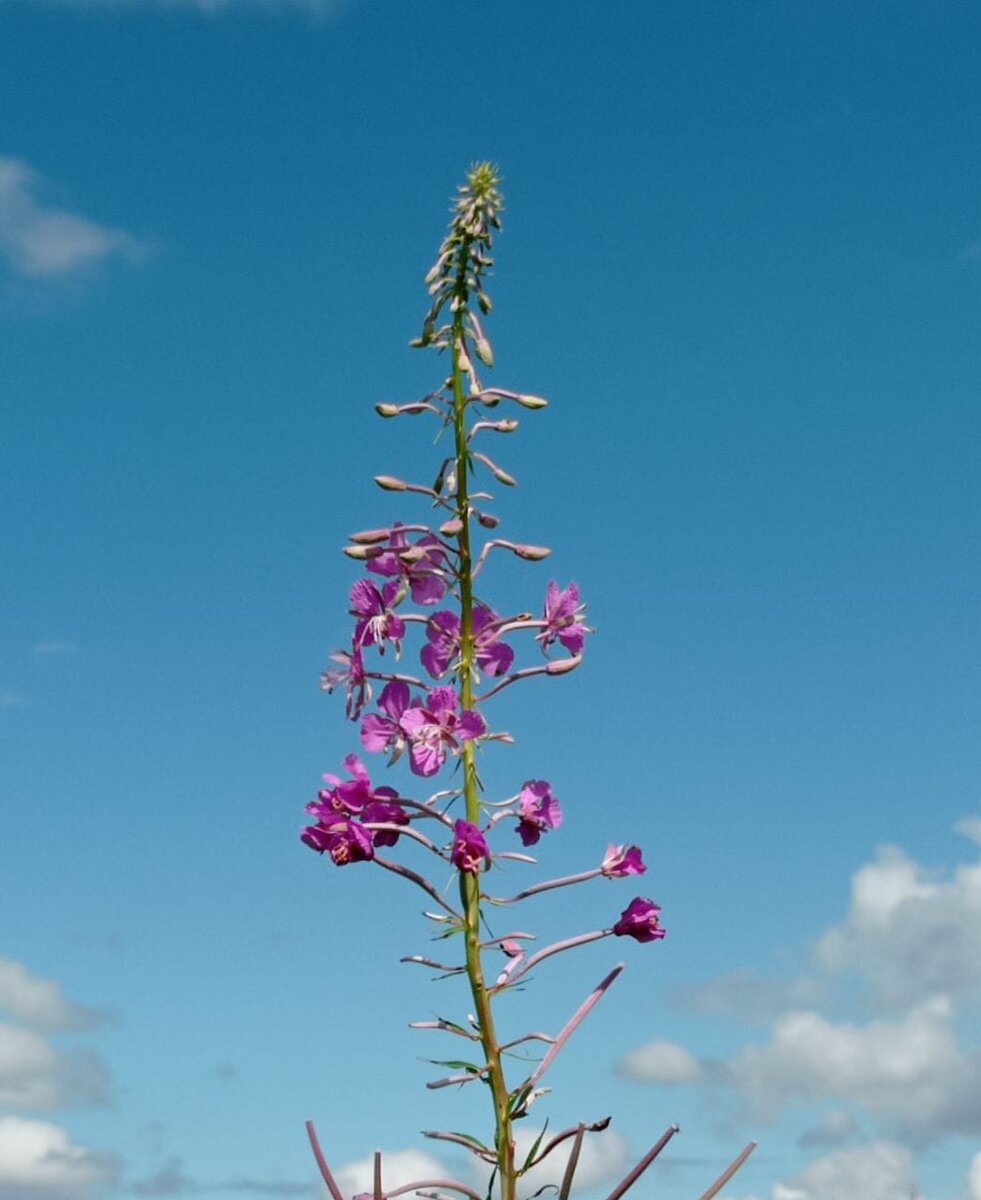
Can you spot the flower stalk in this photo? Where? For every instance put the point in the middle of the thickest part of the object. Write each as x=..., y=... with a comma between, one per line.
x=412, y=567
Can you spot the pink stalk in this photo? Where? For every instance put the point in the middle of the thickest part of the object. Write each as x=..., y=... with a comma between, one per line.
x=377, y=1182
x=450, y=1080
x=405, y=831
x=452, y=1184
x=427, y=887
x=318, y=1154
x=422, y=961
x=632, y=1176
x=581, y=877
x=728, y=1173
x=445, y=1028
x=570, y=1167
x=595, y=1127
x=574, y=1021
x=458, y=1139
x=555, y=666
x=395, y=677
x=555, y=948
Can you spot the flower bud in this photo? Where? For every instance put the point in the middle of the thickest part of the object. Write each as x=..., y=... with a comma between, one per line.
x=502, y=476
x=531, y=553
x=484, y=351
x=389, y=483
x=488, y=520
x=562, y=666
x=368, y=537
x=451, y=527
x=362, y=553
x=387, y=410
x=532, y=401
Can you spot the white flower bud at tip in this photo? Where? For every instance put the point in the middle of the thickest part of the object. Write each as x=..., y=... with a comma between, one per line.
x=532, y=401
x=387, y=410
x=562, y=666
x=389, y=483
x=361, y=553
x=532, y=553
x=451, y=527
x=367, y=537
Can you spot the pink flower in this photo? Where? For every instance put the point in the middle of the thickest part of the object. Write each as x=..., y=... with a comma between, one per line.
x=639, y=920
x=425, y=575
x=469, y=850
x=564, y=618
x=436, y=728
x=538, y=809
x=619, y=861
x=377, y=622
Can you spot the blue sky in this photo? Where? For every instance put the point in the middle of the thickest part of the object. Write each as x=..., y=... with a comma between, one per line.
x=742, y=257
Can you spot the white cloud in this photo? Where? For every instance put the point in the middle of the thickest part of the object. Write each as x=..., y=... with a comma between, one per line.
x=970, y=827
x=39, y=1002
x=909, y=931
x=35, y=1076
x=878, y=1171
x=660, y=1062
x=41, y=241
x=602, y=1160
x=743, y=996
x=399, y=1167
x=833, y=1128
x=974, y=1178
x=38, y=1159
x=909, y=1070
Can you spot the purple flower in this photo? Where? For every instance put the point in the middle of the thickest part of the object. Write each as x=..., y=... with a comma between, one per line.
x=377, y=623
x=344, y=840
x=435, y=728
x=381, y=731
x=350, y=672
x=424, y=572
x=639, y=921
x=350, y=796
x=443, y=634
x=538, y=809
x=469, y=850
x=387, y=812
x=619, y=861
x=564, y=618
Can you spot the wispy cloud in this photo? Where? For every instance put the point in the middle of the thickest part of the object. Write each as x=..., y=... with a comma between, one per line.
x=52, y=649
x=40, y=241
x=173, y=1180
x=37, y=1077
x=39, y=1159
x=40, y=1002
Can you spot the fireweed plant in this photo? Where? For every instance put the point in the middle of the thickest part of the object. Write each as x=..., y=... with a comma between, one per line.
x=422, y=575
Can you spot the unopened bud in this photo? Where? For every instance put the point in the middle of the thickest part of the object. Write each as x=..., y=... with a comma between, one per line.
x=532, y=401
x=507, y=426
x=562, y=666
x=389, y=483
x=368, y=537
x=413, y=554
x=387, y=410
x=532, y=553
x=484, y=351
x=361, y=553
x=488, y=520
x=502, y=476
x=451, y=527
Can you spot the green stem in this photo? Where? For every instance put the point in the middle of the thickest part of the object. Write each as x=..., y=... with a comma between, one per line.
x=470, y=884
